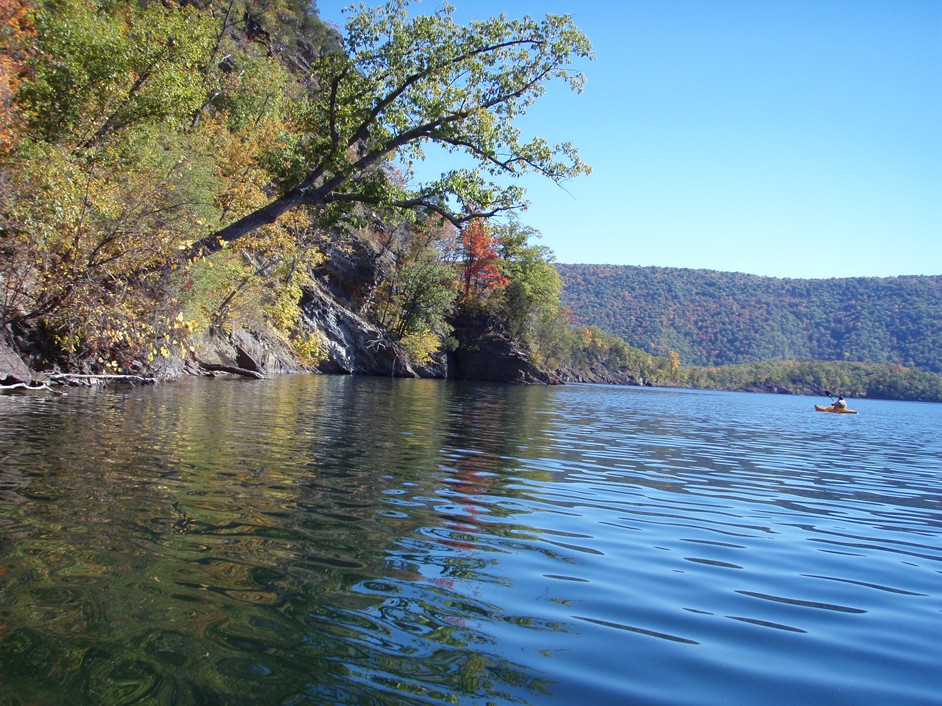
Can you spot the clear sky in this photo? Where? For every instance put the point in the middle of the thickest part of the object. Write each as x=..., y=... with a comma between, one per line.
x=789, y=138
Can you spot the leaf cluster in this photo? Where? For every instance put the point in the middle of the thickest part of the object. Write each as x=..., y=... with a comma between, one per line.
x=399, y=83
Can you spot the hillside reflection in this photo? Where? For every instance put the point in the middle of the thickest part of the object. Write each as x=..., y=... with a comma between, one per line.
x=242, y=543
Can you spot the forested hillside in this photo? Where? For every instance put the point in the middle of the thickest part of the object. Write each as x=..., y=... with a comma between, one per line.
x=719, y=318
x=173, y=173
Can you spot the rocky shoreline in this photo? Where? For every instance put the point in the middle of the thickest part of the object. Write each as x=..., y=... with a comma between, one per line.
x=353, y=346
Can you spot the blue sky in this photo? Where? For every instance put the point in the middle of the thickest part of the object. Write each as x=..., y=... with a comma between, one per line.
x=788, y=138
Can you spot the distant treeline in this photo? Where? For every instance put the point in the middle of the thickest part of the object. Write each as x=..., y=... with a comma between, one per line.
x=597, y=356
x=873, y=380
x=720, y=318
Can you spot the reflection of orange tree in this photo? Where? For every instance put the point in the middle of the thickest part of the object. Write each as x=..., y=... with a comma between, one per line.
x=472, y=475
x=403, y=437
x=487, y=430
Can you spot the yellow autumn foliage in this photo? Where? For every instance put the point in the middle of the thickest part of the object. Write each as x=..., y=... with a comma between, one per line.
x=421, y=345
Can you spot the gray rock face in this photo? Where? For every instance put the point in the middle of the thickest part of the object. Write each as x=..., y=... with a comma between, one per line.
x=12, y=367
x=251, y=350
x=241, y=350
x=485, y=352
x=498, y=361
x=334, y=307
x=351, y=272
x=354, y=345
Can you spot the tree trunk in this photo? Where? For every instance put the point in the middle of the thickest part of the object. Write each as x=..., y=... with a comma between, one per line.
x=245, y=225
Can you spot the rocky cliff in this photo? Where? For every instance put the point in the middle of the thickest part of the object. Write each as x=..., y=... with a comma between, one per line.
x=335, y=306
x=486, y=352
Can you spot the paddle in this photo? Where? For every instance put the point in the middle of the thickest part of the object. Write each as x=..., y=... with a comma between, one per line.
x=833, y=402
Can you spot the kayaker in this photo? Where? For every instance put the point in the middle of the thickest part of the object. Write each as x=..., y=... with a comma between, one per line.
x=840, y=404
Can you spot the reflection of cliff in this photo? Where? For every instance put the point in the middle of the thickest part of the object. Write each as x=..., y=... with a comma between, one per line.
x=277, y=538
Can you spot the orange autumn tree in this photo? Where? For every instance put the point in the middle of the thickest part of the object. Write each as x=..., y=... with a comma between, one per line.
x=479, y=269
x=15, y=30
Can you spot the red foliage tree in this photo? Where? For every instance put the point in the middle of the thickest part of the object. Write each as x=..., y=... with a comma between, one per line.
x=480, y=273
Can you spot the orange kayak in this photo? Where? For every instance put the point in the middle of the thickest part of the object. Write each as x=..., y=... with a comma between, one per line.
x=836, y=410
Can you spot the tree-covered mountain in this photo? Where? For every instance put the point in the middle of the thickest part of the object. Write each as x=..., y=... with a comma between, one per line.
x=720, y=318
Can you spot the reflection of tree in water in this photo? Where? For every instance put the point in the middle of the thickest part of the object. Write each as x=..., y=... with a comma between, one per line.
x=300, y=539
x=410, y=625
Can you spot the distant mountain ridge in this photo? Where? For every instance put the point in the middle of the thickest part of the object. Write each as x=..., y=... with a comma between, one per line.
x=718, y=318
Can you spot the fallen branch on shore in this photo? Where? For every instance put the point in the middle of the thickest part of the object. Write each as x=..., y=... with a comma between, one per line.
x=76, y=379
x=31, y=388
x=232, y=369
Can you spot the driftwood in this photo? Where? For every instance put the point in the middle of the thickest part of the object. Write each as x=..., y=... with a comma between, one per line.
x=112, y=377
x=232, y=369
x=30, y=388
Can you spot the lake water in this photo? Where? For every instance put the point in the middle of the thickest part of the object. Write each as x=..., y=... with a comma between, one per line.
x=321, y=540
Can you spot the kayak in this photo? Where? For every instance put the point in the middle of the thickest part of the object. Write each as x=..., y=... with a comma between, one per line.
x=836, y=410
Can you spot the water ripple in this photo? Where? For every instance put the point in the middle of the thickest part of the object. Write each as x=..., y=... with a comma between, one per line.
x=639, y=631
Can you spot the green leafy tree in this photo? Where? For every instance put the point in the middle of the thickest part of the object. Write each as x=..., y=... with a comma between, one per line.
x=104, y=187
x=418, y=293
x=533, y=284
x=400, y=83
x=424, y=296
x=100, y=72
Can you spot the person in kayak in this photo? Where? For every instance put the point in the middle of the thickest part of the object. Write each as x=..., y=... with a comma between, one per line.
x=840, y=404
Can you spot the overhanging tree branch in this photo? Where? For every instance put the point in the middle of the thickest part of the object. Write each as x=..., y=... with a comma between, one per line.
x=456, y=86
x=428, y=203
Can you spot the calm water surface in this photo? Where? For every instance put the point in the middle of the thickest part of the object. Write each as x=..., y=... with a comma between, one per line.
x=319, y=540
